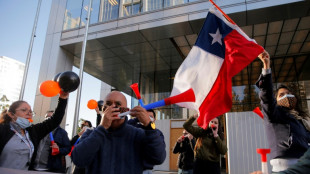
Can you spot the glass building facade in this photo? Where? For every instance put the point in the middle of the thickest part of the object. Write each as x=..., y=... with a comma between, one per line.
x=157, y=86
x=106, y=10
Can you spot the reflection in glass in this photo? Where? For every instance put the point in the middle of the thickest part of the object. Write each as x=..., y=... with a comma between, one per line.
x=72, y=14
x=108, y=10
x=105, y=10
x=94, y=16
x=131, y=7
x=245, y=98
x=84, y=12
x=151, y=5
x=169, y=3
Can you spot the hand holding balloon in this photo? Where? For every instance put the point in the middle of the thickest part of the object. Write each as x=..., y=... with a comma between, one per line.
x=63, y=95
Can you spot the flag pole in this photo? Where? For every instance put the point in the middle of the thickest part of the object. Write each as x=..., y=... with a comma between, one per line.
x=226, y=16
x=78, y=96
x=33, y=35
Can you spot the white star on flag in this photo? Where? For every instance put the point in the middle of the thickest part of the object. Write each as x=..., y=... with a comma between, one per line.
x=217, y=37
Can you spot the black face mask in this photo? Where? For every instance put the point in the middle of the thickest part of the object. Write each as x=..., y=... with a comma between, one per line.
x=289, y=101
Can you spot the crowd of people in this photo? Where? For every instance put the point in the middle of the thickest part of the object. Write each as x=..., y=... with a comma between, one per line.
x=132, y=146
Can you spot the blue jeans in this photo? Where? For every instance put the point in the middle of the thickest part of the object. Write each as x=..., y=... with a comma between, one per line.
x=180, y=171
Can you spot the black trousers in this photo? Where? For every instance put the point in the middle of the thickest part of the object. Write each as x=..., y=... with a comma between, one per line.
x=206, y=167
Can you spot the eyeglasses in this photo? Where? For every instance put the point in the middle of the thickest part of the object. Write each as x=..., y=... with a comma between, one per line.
x=27, y=111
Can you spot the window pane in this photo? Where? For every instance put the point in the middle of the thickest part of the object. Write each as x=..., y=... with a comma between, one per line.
x=153, y=5
x=127, y=10
x=108, y=10
x=135, y=9
x=84, y=13
x=72, y=14
x=131, y=7
x=94, y=16
x=169, y=3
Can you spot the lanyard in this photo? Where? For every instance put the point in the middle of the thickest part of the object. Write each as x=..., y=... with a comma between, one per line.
x=26, y=140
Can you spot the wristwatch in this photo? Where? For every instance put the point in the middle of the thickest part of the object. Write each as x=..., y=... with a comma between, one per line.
x=150, y=126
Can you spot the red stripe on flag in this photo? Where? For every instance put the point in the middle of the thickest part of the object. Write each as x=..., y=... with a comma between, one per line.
x=239, y=53
x=218, y=100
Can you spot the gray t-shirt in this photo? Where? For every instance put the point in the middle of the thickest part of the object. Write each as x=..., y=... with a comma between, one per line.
x=15, y=154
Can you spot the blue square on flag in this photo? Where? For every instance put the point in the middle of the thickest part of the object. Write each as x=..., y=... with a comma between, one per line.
x=212, y=34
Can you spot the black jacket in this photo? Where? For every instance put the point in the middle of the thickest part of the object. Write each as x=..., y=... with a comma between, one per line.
x=37, y=131
x=287, y=136
x=186, y=150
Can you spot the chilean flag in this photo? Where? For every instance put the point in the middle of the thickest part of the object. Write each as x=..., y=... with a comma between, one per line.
x=221, y=50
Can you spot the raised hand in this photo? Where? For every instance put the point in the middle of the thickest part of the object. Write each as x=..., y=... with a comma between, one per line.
x=63, y=95
x=141, y=114
x=265, y=58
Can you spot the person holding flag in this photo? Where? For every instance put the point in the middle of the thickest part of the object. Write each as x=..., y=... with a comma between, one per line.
x=287, y=125
x=221, y=51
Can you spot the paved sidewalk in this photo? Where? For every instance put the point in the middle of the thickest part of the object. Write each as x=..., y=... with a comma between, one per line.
x=164, y=172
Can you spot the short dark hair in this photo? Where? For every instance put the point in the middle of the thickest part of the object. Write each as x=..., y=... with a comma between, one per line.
x=89, y=123
x=283, y=86
x=151, y=110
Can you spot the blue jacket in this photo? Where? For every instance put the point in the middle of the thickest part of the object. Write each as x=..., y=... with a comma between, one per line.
x=287, y=137
x=119, y=151
x=57, y=163
x=135, y=122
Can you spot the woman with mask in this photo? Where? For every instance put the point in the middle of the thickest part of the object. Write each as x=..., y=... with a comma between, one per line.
x=210, y=145
x=19, y=139
x=287, y=126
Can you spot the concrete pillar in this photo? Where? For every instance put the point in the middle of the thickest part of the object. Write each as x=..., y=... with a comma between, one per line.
x=54, y=60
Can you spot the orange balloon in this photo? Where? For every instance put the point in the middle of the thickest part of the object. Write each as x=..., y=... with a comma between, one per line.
x=49, y=88
x=92, y=104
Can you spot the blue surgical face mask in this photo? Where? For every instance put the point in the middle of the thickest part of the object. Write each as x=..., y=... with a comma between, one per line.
x=23, y=122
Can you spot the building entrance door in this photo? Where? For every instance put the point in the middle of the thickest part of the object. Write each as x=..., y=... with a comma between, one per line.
x=175, y=133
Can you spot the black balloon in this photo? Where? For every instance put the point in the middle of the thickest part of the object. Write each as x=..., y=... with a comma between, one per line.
x=56, y=77
x=68, y=81
x=100, y=104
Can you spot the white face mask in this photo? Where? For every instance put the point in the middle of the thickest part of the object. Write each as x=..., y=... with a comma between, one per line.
x=286, y=95
x=23, y=122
